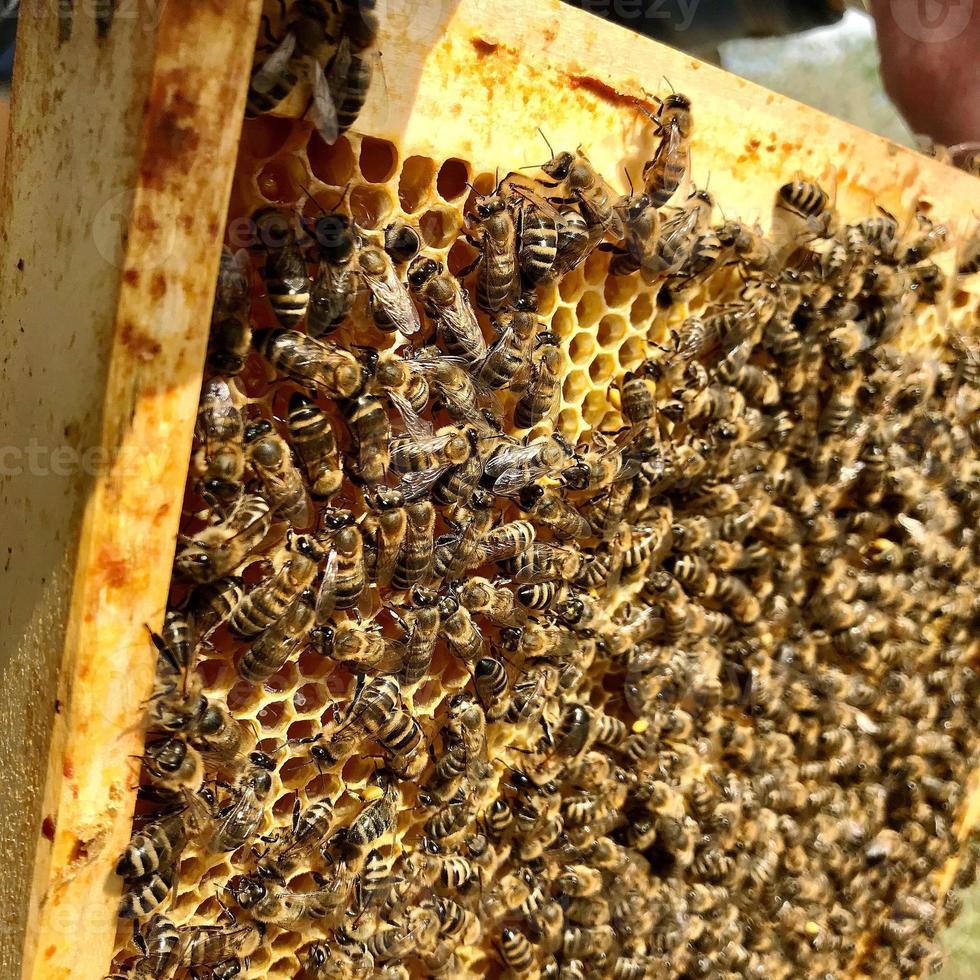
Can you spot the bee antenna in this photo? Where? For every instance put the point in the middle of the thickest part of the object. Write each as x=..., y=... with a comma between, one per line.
x=547, y=143
x=629, y=180
x=671, y=87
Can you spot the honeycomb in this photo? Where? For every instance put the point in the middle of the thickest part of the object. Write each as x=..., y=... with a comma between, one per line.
x=608, y=326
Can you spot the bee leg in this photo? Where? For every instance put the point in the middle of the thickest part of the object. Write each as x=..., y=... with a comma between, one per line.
x=225, y=910
x=464, y=272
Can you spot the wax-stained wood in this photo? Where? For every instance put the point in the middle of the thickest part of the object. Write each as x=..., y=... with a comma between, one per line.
x=123, y=140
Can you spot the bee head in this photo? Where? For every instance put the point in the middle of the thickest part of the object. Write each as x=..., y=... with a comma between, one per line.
x=248, y=892
x=422, y=270
x=333, y=236
x=559, y=166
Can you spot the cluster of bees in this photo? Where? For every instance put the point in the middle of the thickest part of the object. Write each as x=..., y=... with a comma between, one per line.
x=692, y=698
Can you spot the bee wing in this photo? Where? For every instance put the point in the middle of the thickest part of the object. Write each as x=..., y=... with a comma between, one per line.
x=419, y=429
x=391, y=294
x=243, y=813
x=323, y=109
x=326, y=598
x=461, y=321
x=515, y=478
x=386, y=660
x=267, y=74
x=414, y=485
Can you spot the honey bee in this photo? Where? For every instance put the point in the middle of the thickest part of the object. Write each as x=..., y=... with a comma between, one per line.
x=390, y=372
x=284, y=907
x=414, y=559
x=664, y=173
x=375, y=818
x=579, y=182
x=641, y=227
x=221, y=548
x=344, y=575
x=421, y=628
x=215, y=946
x=447, y=303
x=371, y=432
x=597, y=467
x=491, y=683
x=278, y=642
x=402, y=242
x=375, y=712
x=516, y=952
x=508, y=358
x=266, y=602
x=231, y=335
x=809, y=203
x=540, y=397
x=237, y=819
x=552, y=510
x=513, y=467
x=312, y=435
x=456, y=389
x=308, y=828
x=490, y=599
x=507, y=541
x=311, y=363
x=968, y=257
x=154, y=851
x=287, y=281
x=541, y=562
x=173, y=764
x=421, y=456
x=360, y=649
x=460, y=632
x=577, y=239
x=159, y=946
x=498, y=280
x=219, y=462
x=679, y=234
x=334, y=286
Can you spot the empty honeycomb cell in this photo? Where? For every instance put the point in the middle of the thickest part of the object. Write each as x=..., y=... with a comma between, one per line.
x=596, y=267
x=612, y=329
x=642, y=310
x=568, y=421
x=611, y=422
x=370, y=206
x=570, y=287
x=632, y=353
x=582, y=349
x=309, y=698
x=332, y=164
x=451, y=183
x=415, y=183
x=563, y=323
x=460, y=256
x=244, y=698
x=439, y=227
x=264, y=136
x=575, y=387
x=378, y=160
x=619, y=290
x=602, y=369
x=280, y=181
x=548, y=299
x=283, y=680
x=357, y=771
x=271, y=713
x=590, y=307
